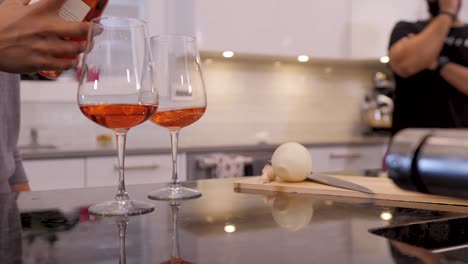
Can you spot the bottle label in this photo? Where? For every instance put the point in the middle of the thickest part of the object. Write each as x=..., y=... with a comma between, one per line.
x=72, y=10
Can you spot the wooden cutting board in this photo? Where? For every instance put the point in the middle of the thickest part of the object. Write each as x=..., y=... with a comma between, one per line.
x=383, y=187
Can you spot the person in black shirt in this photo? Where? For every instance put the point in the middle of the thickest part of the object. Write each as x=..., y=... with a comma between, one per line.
x=430, y=63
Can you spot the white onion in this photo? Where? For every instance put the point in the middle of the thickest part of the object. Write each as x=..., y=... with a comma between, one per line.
x=292, y=213
x=292, y=162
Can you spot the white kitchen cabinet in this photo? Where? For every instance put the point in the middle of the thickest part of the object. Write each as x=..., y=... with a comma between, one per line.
x=138, y=170
x=126, y=8
x=101, y=171
x=171, y=17
x=336, y=29
x=55, y=174
x=373, y=20
x=340, y=158
x=274, y=27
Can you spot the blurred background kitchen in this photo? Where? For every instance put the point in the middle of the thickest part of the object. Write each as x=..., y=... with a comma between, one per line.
x=313, y=72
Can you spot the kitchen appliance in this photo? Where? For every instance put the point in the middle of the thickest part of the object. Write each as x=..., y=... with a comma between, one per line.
x=377, y=108
x=446, y=236
x=433, y=161
x=201, y=166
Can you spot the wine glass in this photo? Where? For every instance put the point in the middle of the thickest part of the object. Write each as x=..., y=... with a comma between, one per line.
x=182, y=99
x=117, y=91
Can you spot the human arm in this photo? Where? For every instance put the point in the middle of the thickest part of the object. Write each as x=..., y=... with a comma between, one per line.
x=34, y=37
x=457, y=76
x=18, y=181
x=412, y=54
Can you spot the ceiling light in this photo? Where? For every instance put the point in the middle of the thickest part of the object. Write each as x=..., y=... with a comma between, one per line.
x=385, y=59
x=303, y=58
x=229, y=228
x=228, y=54
x=386, y=215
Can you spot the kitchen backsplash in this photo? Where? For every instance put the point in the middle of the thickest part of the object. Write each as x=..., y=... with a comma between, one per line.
x=248, y=101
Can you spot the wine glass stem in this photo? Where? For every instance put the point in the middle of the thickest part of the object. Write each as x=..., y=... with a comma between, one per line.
x=174, y=146
x=122, y=193
x=122, y=228
x=175, y=234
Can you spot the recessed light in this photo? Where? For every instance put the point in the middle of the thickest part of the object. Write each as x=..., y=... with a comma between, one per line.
x=229, y=228
x=385, y=59
x=386, y=215
x=303, y=58
x=228, y=54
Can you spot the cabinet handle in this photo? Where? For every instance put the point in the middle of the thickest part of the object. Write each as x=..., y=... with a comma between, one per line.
x=346, y=156
x=139, y=167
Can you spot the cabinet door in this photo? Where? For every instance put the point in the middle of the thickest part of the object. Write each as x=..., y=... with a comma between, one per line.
x=138, y=170
x=355, y=158
x=55, y=174
x=274, y=27
x=373, y=20
x=342, y=158
x=320, y=159
x=126, y=8
x=170, y=17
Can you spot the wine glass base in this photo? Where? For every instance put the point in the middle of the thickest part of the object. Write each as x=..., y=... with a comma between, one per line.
x=121, y=208
x=174, y=193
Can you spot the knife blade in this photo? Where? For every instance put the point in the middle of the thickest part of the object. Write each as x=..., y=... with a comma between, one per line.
x=339, y=183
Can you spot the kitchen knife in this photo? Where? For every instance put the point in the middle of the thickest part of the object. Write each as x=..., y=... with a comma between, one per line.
x=335, y=182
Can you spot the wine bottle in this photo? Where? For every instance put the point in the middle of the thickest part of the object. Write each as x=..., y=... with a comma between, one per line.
x=76, y=10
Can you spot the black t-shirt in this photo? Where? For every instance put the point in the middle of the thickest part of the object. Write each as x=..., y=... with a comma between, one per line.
x=426, y=100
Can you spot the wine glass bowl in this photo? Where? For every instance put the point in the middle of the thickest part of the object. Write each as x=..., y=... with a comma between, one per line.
x=182, y=99
x=118, y=116
x=117, y=91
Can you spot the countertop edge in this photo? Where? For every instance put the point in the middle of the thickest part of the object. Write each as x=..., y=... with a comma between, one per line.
x=93, y=153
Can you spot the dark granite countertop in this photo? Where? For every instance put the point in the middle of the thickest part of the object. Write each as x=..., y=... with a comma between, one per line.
x=225, y=226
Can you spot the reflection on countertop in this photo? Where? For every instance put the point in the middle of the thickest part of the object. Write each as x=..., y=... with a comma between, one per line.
x=61, y=152
x=228, y=227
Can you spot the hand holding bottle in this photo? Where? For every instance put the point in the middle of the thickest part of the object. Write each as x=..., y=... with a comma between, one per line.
x=34, y=37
